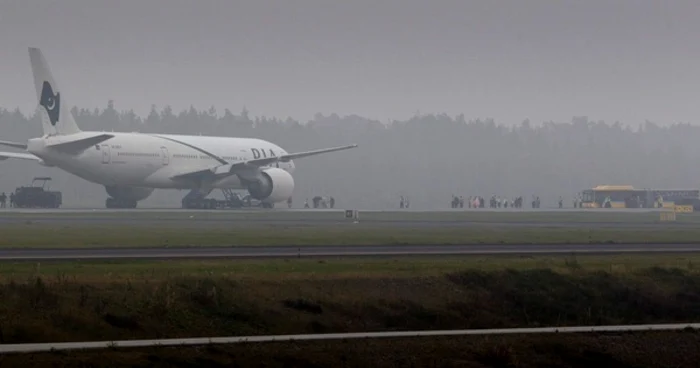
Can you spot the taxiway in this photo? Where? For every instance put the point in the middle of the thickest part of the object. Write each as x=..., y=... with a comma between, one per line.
x=243, y=252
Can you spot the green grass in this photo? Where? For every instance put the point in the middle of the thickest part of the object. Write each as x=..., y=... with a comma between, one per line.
x=333, y=268
x=57, y=236
x=109, y=300
x=118, y=300
x=231, y=228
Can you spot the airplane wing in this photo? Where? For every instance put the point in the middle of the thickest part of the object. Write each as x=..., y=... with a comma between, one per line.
x=14, y=144
x=293, y=156
x=22, y=156
x=69, y=144
x=77, y=144
x=225, y=170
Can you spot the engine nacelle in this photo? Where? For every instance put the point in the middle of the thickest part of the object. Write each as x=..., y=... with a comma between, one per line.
x=271, y=186
x=125, y=193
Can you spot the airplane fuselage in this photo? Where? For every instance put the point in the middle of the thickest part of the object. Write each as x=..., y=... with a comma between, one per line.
x=152, y=160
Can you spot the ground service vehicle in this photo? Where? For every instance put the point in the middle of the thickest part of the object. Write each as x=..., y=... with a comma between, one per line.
x=37, y=196
x=626, y=196
x=231, y=200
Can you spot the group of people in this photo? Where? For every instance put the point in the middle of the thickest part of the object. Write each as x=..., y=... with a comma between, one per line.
x=320, y=202
x=494, y=202
x=3, y=200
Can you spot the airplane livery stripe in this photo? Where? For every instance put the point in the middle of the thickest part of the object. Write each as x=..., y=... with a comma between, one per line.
x=217, y=158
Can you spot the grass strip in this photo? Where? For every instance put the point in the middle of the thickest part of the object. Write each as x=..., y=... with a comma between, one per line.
x=104, y=272
x=83, y=301
x=77, y=236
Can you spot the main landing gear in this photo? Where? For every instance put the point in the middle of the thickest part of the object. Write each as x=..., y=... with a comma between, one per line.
x=196, y=199
x=118, y=203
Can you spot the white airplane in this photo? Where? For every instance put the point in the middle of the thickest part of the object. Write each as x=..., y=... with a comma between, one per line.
x=132, y=165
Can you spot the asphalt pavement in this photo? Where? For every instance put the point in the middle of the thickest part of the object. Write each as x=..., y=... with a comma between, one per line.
x=594, y=218
x=243, y=252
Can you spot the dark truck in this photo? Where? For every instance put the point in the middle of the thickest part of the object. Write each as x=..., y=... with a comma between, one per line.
x=37, y=196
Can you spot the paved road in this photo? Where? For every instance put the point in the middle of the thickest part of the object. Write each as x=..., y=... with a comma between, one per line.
x=375, y=223
x=629, y=219
x=335, y=251
x=308, y=210
x=29, y=348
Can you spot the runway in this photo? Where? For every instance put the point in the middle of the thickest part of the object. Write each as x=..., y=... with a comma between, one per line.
x=594, y=218
x=327, y=210
x=336, y=251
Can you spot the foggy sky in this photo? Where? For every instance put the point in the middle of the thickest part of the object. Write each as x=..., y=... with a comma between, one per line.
x=543, y=60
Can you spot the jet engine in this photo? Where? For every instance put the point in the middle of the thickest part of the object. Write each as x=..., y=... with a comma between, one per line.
x=125, y=196
x=271, y=186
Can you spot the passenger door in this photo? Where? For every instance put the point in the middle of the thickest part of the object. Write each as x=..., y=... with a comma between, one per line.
x=105, y=154
x=166, y=155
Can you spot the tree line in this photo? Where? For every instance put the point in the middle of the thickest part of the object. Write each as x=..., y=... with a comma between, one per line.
x=428, y=157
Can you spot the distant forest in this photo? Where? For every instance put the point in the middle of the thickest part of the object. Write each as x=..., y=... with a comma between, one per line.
x=428, y=158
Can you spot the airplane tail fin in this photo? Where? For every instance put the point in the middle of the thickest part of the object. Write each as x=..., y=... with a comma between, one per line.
x=56, y=117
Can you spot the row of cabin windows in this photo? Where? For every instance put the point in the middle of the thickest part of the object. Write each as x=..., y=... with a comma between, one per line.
x=138, y=154
x=203, y=157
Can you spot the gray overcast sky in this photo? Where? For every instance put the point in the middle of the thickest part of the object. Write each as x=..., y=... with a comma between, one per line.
x=544, y=60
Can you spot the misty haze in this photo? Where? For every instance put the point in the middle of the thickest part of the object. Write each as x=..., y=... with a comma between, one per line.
x=534, y=98
x=178, y=133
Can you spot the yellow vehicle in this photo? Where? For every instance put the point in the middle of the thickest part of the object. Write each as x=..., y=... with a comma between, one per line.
x=609, y=196
x=626, y=196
